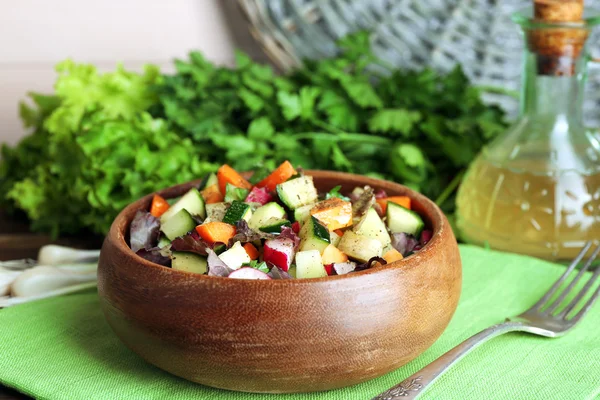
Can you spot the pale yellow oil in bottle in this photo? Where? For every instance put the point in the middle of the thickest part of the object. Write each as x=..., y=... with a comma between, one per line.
x=547, y=215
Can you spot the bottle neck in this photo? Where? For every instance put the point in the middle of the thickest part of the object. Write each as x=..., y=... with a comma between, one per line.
x=552, y=99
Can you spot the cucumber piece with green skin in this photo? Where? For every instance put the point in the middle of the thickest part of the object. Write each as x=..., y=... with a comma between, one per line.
x=297, y=192
x=216, y=211
x=373, y=227
x=360, y=248
x=189, y=262
x=192, y=201
x=309, y=265
x=301, y=214
x=403, y=220
x=314, y=236
x=220, y=248
x=275, y=225
x=178, y=224
x=237, y=211
x=266, y=213
x=208, y=180
x=235, y=257
x=163, y=242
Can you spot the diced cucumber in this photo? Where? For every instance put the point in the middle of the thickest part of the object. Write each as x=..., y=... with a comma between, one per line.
x=400, y=219
x=292, y=271
x=309, y=265
x=218, y=249
x=275, y=225
x=373, y=227
x=360, y=248
x=297, y=192
x=208, y=180
x=237, y=211
x=235, y=257
x=178, y=224
x=314, y=236
x=192, y=201
x=216, y=211
x=189, y=262
x=334, y=238
x=301, y=214
x=266, y=213
x=162, y=242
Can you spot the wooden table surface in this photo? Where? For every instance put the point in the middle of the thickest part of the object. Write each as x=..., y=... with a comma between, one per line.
x=16, y=241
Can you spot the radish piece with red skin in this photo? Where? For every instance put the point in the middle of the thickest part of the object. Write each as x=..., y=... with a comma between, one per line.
x=248, y=273
x=344, y=268
x=296, y=227
x=259, y=195
x=329, y=269
x=279, y=252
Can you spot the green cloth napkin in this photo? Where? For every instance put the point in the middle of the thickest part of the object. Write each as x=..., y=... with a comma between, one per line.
x=63, y=349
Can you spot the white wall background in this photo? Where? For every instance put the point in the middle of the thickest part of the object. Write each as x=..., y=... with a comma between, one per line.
x=36, y=34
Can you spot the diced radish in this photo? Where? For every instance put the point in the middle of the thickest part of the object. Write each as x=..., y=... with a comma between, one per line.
x=426, y=236
x=248, y=273
x=329, y=269
x=259, y=195
x=296, y=227
x=344, y=268
x=279, y=252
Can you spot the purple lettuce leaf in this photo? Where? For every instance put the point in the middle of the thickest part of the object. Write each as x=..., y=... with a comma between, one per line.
x=245, y=234
x=278, y=273
x=288, y=233
x=404, y=243
x=143, y=232
x=380, y=194
x=156, y=255
x=216, y=266
x=426, y=236
x=190, y=244
x=370, y=263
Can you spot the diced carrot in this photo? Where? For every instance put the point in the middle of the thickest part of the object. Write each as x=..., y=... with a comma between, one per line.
x=332, y=255
x=339, y=232
x=251, y=251
x=392, y=255
x=281, y=174
x=159, y=206
x=404, y=201
x=226, y=175
x=212, y=194
x=216, y=232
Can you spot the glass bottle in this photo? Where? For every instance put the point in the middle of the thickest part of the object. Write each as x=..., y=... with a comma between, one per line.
x=536, y=188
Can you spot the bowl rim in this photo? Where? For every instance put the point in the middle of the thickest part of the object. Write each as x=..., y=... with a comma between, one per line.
x=437, y=218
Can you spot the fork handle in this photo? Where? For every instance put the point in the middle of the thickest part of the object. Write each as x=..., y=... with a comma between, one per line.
x=413, y=386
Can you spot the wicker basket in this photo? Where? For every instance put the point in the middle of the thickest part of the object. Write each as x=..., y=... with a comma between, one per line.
x=408, y=33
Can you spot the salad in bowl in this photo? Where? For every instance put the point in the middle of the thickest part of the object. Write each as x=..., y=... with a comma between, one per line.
x=279, y=228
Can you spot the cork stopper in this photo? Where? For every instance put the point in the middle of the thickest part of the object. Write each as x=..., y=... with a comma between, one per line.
x=557, y=49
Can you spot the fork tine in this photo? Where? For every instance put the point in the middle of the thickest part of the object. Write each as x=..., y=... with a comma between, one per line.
x=580, y=295
x=564, y=276
x=568, y=289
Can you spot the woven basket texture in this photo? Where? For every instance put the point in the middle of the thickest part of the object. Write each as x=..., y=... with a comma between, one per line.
x=478, y=34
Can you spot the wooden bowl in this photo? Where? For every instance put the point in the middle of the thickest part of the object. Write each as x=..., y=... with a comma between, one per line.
x=282, y=336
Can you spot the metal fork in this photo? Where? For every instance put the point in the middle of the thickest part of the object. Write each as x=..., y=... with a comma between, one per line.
x=541, y=319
